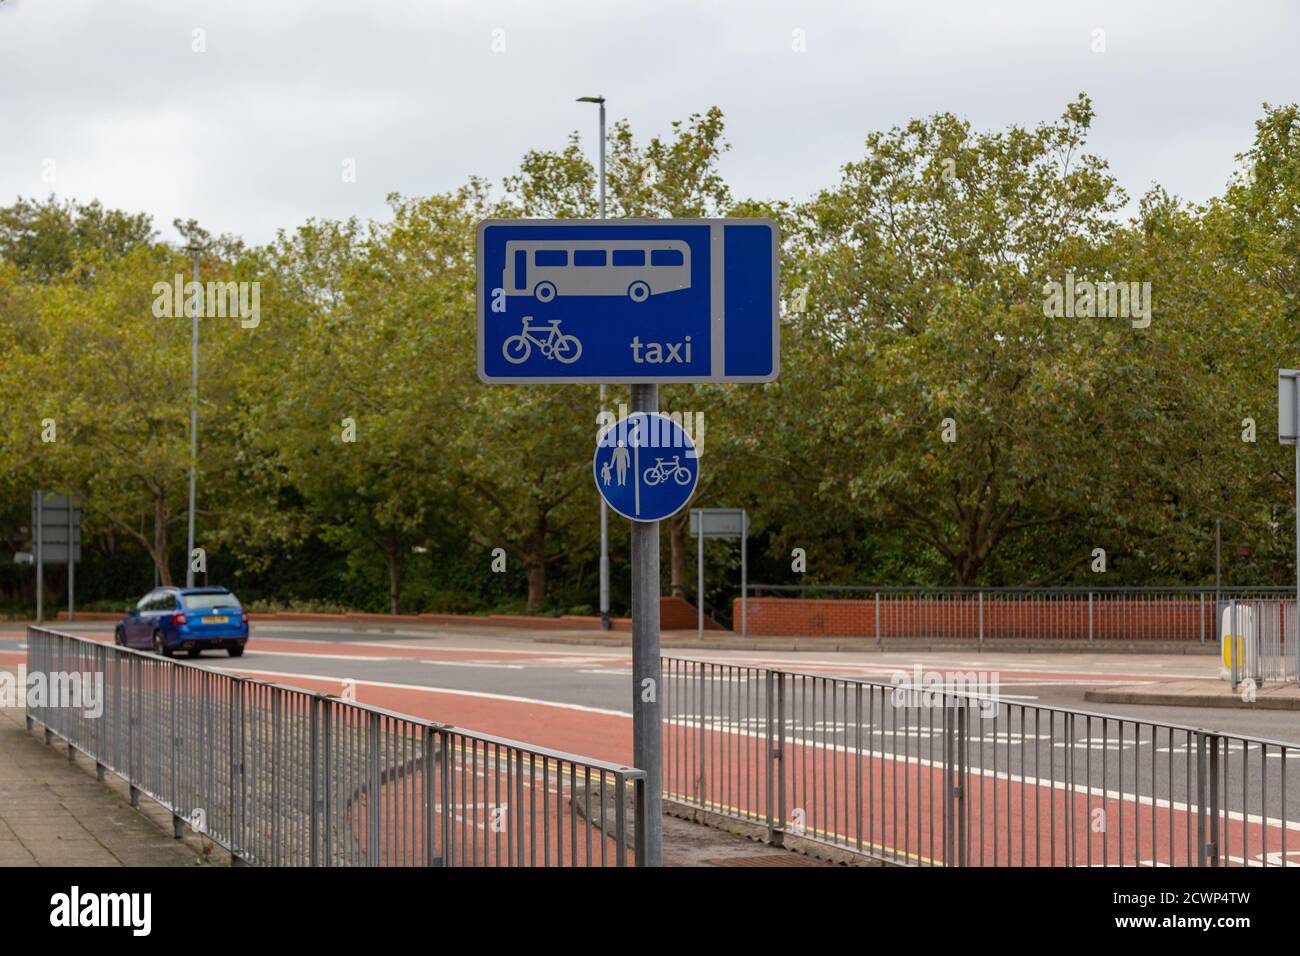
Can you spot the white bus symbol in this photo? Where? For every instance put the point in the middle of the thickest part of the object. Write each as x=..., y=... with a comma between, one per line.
x=636, y=268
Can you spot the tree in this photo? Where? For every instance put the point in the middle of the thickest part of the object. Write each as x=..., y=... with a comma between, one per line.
x=107, y=385
x=46, y=239
x=926, y=270
x=372, y=333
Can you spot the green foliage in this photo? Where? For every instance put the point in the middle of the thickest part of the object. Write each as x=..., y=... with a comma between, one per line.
x=913, y=291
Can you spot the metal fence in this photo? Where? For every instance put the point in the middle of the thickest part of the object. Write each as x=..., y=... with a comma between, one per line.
x=287, y=777
x=940, y=771
x=1264, y=649
x=978, y=614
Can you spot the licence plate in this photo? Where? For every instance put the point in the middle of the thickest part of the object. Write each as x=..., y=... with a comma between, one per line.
x=216, y=620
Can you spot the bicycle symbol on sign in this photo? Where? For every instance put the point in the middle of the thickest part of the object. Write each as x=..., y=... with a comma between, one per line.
x=553, y=343
x=663, y=469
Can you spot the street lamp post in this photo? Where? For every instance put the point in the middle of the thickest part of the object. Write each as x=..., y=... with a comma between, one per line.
x=646, y=711
x=604, y=508
x=194, y=415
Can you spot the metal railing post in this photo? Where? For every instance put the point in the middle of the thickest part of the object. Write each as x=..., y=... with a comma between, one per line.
x=638, y=795
x=132, y=735
x=779, y=833
x=177, y=822
x=981, y=617
x=963, y=731
x=877, y=617
x=954, y=772
x=773, y=756
x=276, y=810
x=444, y=780
x=313, y=854
x=700, y=742
x=1213, y=848
x=428, y=805
x=620, y=819
x=235, y=771
x=373, y=801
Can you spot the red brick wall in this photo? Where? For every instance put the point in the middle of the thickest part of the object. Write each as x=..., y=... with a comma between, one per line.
x=678, y=614
x=1172, y=619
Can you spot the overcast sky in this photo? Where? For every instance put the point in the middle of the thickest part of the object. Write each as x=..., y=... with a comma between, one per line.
x=111, y=99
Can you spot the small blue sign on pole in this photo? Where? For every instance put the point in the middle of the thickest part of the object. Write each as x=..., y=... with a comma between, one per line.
x=645, y=301
x=646, y=466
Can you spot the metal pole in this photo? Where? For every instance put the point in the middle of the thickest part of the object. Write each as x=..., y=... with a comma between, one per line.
x=1218, y=543
x=744, y=574
x=604, y=508
x=1297, y=516
x=604, y=545
x=40, y=556
x=1218, y=524
x=602, y=157
x=71, y=563
x=699, y=590
x=646, y=712
x=194, y=417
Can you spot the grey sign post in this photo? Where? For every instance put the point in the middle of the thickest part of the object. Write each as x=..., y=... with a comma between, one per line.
x=723, y=523
x=56, y=539
x=1288, y=433
x=38, y=534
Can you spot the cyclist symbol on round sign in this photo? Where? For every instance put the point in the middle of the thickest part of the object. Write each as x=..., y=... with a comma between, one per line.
x=646, y=466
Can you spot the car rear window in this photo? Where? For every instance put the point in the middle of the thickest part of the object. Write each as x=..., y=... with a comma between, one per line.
x=199, y=602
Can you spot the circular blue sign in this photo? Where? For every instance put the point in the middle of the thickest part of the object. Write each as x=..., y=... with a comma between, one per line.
x=646, y=466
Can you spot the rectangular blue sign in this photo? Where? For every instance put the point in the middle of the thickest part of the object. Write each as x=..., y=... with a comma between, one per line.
x=653, y=301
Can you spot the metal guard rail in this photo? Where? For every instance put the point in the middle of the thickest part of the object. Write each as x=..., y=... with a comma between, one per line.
x=965, y=777
x=282, y=776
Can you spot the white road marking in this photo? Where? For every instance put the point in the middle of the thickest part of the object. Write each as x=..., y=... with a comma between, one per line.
x=484, y=695
x=508, y=667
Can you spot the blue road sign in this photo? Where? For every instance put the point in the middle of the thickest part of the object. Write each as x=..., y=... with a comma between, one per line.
x=646, y=466
x=653, y=301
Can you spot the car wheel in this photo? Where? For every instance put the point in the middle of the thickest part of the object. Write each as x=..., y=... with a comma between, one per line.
x=159, y=647
x=235, y=651
x=192, y=652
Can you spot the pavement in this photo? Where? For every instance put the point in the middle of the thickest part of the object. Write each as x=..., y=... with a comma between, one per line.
x=1274, y=695
x=55, y=813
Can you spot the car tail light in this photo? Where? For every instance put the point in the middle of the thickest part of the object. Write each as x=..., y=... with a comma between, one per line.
x=178, y=619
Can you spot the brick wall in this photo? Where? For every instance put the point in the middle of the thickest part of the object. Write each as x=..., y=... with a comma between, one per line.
x=678, y=614
x=1172, y=619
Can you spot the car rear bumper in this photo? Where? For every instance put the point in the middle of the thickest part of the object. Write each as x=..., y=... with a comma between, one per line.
x=192, y=643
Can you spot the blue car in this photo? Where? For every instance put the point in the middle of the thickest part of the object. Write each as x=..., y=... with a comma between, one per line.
x=185, y=619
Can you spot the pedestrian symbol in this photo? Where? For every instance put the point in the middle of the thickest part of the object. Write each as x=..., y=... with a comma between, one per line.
x=646, y=466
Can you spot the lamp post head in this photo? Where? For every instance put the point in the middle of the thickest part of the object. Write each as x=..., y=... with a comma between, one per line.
x=591, y=99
